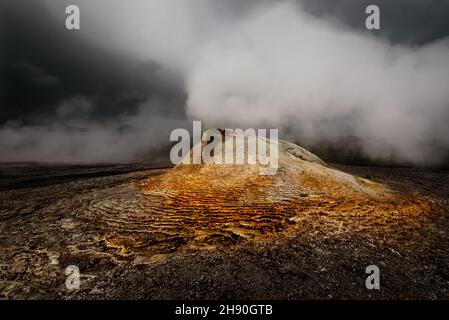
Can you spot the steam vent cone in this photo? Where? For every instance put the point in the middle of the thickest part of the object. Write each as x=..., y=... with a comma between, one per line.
x=206, y=206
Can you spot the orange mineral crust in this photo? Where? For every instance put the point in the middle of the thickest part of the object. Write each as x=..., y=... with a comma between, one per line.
x=208, y=205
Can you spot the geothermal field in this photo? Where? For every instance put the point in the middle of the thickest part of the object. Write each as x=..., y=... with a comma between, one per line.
x=224, y=231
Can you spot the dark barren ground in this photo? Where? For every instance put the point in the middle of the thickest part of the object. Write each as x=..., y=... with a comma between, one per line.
x=95, y=217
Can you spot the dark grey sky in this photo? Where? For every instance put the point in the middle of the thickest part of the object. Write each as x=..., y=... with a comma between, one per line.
x=42, y=65
x=404, y=21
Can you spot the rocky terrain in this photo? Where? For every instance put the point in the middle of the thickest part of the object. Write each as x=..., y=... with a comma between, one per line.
x=217, y=231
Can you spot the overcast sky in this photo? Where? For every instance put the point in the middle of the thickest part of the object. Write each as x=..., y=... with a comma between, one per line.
x=113, y=90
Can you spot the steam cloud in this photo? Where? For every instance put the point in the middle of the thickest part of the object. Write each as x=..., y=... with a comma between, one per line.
x=264, y=64
x=78, y=140
x=283, y=68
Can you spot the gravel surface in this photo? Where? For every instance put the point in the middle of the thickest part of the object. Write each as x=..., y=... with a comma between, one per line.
x=130, y=243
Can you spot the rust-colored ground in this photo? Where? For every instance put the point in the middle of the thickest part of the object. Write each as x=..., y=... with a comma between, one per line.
x=226, y=232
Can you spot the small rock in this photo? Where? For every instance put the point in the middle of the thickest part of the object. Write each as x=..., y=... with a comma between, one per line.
x=294, y=219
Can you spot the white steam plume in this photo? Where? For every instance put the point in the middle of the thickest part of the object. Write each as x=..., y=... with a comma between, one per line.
x=283, y=68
